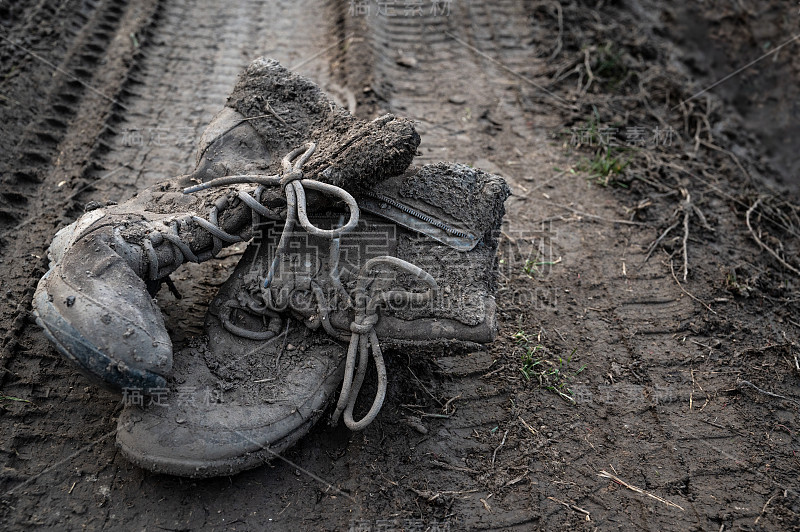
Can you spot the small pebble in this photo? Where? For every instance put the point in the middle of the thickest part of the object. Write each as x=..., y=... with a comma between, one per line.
x=417, y=425
x=407, y=61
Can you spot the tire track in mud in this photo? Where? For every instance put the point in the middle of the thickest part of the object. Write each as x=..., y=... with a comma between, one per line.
x=195, y=57
x=38, y=144
x=180, y=77
x=80, y=54
x=668, y=409
x=489, y=105
x=52, y=152
x=415, y=57
x=36, y=137
x=432, y=68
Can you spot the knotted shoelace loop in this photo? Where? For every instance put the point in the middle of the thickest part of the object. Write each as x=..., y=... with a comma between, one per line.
x=364, y=338
x=183, y=252
x=293, y=184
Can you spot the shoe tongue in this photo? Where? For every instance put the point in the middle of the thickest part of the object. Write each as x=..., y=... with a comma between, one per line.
x=288, y=110
x=452, y=203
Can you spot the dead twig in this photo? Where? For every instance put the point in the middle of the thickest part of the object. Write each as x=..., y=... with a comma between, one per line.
x=447, y=404
x=431, y=496
x=658, y=240
x=494, y=454
x=765, y=392
x=571, y=507
x=762, y=244
x=531, y=429
x=586, y=64
x=494, y=371
x=544, y=183
x=733, y=156
x=672, y=270
x=516, y=480
x=615, y=478
x=425, y=494
x=691, y=394
x=764, y=509
x=727, y=196
x=594, y=216
x=560, y=16
x=687, y=210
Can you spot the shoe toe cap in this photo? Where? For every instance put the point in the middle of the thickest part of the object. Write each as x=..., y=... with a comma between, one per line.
x=107, y=324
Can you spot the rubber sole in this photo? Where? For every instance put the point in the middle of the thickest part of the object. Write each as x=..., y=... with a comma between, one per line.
x=216, y=468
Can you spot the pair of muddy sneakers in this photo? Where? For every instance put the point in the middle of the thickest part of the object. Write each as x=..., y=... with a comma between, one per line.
x=392, y=256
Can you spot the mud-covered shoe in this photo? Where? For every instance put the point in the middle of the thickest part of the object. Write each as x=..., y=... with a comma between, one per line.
x=417, y=271
x=419, y=274
x=95, y=302
x=235, y=407
x=347, y=293
x=267, y=388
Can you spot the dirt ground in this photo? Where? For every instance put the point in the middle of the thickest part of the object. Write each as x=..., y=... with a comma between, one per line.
x=646, y=372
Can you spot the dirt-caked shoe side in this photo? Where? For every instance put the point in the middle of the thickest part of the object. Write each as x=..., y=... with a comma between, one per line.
x=275, y=375
x=410, y=263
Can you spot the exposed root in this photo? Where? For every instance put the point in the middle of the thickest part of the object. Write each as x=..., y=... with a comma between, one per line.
x=687, y=209
x=762, y=244
x=654, y=244
x=494, y=454
x=615, y=478
x=571, y=507
x=765, y=392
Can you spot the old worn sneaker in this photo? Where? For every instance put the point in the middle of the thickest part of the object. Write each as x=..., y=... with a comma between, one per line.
x=233, y=401
x=306, y=306
x=233, y=408
x=95, y=302
x=417, y=272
